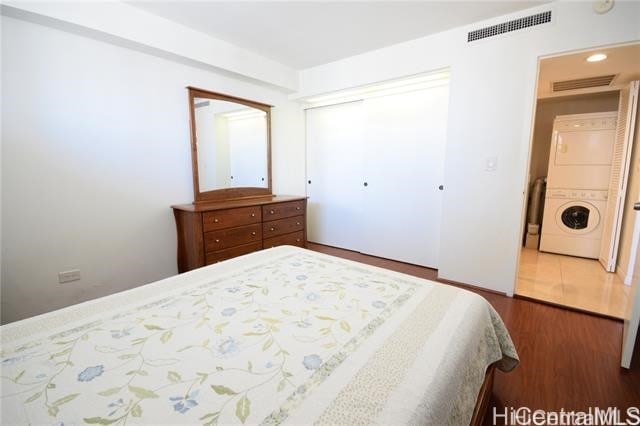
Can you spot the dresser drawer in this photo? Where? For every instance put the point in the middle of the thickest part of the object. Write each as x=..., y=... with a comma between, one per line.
x=220, y=219
x=231, y=237
x=218, y=256
x=282, y=210
x=282, y=226
x=293, y=239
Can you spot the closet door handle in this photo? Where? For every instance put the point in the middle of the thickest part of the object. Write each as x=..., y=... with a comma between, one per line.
x=309, y=182
x=636, y=206
x=366, y=184
x=441, y=187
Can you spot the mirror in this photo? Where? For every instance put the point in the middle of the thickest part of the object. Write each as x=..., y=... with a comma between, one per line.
x=230, y=142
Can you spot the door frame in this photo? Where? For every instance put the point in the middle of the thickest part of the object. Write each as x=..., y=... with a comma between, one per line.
x=527, y=166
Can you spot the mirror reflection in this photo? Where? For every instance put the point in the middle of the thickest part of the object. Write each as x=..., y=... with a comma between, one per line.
x=232, y=145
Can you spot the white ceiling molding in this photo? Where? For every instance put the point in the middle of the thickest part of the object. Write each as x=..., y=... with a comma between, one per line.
x=122, y=24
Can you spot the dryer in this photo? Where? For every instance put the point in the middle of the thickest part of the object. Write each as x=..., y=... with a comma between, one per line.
x=573, y=221
x=582, y=150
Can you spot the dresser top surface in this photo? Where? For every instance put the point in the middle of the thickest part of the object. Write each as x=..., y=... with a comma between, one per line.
x=230, y=204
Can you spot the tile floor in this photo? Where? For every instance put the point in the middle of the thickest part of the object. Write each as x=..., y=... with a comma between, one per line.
x=571, y=281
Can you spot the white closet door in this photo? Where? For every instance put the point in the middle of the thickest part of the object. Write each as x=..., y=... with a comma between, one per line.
x=334, y=174
x=247, y=150
x=405, y=137
x=619, y=174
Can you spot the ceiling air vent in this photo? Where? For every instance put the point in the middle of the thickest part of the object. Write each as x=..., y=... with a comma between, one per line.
x=507, y=27
x=582, y=83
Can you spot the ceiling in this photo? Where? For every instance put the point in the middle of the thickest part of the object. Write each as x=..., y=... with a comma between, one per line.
x=624, y=61
x=305, y=34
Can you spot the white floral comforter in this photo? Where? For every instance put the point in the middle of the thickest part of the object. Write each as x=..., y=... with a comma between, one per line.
x=284, y=335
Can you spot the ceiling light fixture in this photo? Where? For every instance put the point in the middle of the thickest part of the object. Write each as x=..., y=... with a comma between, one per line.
x=597, y=57
x=602, y=6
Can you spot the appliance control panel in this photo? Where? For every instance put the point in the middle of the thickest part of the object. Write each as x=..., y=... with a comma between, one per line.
x=578, y=194
x=576, y=125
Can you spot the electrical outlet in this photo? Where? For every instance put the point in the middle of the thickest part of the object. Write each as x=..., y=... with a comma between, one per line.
x=68, y=276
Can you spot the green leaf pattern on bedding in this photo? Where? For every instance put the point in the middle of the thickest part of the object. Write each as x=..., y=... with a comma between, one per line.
x=243, y=348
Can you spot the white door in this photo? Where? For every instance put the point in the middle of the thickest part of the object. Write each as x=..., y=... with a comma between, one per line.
x=247, y=150
x=405, y=137
x=334, y=174
x=619, y=174
x=632, y=315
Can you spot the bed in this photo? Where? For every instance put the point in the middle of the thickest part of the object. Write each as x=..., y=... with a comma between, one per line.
x=284, y=335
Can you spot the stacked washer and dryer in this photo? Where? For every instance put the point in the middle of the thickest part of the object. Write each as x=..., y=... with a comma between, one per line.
x=578, y=183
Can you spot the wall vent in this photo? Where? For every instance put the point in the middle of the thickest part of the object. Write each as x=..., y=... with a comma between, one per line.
x=582, y=83
x=507, y=27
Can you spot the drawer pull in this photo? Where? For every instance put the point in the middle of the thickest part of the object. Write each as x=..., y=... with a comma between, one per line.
x=298, y=208
x=271, y=212
x=272, y=229
x=215, y=220
x=253, y=215
x=297, y=240
x=298, y=223
x=253, y=233
x=217, y=240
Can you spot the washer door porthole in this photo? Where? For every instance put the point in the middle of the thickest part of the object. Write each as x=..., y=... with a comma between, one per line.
x=575, y=217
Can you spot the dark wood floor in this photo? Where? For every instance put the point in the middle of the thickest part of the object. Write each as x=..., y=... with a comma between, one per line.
x=568, y=359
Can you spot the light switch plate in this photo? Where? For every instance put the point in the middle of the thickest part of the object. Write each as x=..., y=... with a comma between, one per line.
x=68, y=276
x=491, y=164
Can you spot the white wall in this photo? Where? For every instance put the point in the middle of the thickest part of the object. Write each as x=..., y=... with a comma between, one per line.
x=490, y=114
x=95, y=148
x=95, y=143
x=123, y=24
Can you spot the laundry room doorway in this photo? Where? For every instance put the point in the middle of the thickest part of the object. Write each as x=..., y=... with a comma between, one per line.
x=580, y=236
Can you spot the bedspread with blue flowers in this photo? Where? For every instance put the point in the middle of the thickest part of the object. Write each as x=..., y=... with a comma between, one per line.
x=284, y=335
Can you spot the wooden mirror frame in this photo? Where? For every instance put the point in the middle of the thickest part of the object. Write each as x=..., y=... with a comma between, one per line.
x=225, y=193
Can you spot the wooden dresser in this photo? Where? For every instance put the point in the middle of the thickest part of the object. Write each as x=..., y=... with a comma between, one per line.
x=216, y=231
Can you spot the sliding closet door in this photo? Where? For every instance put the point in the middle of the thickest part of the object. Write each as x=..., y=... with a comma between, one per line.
x=405, y=137
x=334, y=174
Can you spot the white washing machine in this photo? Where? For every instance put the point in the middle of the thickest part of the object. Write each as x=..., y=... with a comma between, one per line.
x=573, y=221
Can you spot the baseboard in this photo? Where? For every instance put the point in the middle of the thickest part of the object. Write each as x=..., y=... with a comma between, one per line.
x=470, y=286
x=624, y=275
